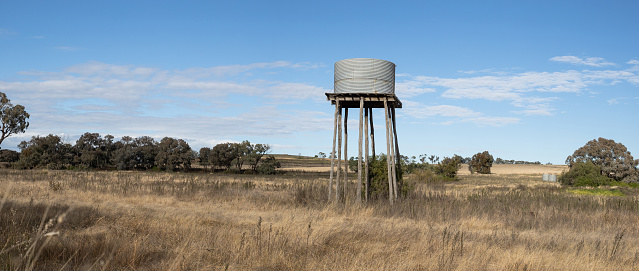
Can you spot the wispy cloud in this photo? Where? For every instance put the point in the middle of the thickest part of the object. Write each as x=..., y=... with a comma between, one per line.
x=419, y=110
x=456, y=114
x=411, y=88
x=588, y=61
x=493, y=121
x=133, y=100
x=68, y=48
x=4, y=32
x=532, y=92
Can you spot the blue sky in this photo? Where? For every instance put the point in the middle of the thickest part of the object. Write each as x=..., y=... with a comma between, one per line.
x=524, y=80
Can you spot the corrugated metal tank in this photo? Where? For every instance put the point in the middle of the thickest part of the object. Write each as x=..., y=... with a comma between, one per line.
x=364, y=75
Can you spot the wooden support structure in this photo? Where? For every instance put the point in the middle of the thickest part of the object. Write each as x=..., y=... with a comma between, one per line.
x=345, y=151
x=358, y=194
x=339, y=153
x=397, y=155
x=330, y=184
x=365, y=102
x=366, y=178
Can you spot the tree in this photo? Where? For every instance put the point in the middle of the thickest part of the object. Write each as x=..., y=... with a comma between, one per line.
x=173, y=154
x=423, y=158
x=449, y=166
x=254, y=154
x=241, y=151
x=613, y=158
x=584, y=174
x=14, y=118
x=124, y=155
x=93, y=151
x=321, y=155
x=223, y=155
x=146, y=150
x=433, y=159
x=269, y=166
x=9, y=156
x=481, y=163
x=48, y=151
x=204, y=156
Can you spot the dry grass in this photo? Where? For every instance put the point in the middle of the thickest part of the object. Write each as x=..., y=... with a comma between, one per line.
x=61, y=220
x=520, y=169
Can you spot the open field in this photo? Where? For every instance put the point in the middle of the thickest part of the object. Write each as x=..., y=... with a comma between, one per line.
x=520, y=169
x=308, y=164
x=65, y=220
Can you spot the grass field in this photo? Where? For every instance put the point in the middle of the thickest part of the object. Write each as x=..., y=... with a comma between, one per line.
x=65, y=220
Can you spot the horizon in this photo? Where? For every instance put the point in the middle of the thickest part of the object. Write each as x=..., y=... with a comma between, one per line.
x=523, y=81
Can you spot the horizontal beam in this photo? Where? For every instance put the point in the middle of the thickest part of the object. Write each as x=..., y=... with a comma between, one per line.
x=371, y=100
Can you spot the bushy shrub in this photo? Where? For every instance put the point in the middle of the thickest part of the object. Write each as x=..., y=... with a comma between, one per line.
x=44, y=152
x=378, y=173
x=269, y=166
x=613, y=158
x=481, y=163
x=9, y=156
x=584, y=174
x=448, y=167
x=173, y=154
x=426, y=176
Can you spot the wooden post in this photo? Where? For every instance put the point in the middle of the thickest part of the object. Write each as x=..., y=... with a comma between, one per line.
x=330, y=182
x=366, y=177
x=345, y=150
x=358, y=197
x=399, y=157
x=388, y=153
x=392, y=153
x=372, y=133
x=339, y=154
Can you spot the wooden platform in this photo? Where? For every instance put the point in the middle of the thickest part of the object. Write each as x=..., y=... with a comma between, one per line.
x=371, y=100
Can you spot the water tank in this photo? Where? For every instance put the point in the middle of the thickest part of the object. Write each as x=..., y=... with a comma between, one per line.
x=364, y=75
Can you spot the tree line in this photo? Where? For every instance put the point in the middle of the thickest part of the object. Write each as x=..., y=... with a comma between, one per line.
x=93, y=151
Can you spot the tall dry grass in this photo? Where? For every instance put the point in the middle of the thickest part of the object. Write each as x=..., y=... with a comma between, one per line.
x=62, y=220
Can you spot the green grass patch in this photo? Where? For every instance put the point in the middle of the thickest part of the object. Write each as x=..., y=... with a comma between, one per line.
x=597, y=191
x=622, y=184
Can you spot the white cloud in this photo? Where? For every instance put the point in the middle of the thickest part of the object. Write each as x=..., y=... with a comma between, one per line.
x=493, y=121
x=533, y=92
x=589, y=61
x=410, y=88
x=133, y=100
x=459, y=114
x=418, y=110
x=231, y=70
x=68, y=48
x=307, y=65
x=103, y=69
x=6, y=32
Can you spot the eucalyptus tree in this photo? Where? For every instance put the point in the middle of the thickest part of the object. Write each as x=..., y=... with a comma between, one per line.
x=481, y=163
x=94, y=151
x=614, y=159
x=173, y=154
x=14, y=118
x=223, y=154
x=47, y=151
